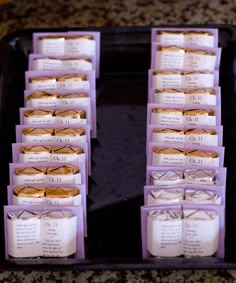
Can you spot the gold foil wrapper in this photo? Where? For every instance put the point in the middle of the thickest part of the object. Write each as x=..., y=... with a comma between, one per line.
x=77, y=59
x=37, y=131
x=42, y=95
x=166, y=72
x=70, y=132
x=60, y=192
x=31, y=192
x=30, y=171
x=200, y=132
x=201, y=153
x=169, y=131
x=169, y=150
x=51, y=37
x=82, y=36
x=37, y=149
x=161, y=32
x=72, y=78
x=73, y=95
x=39, y=113
x=196, y=72
x=171, y=49
x=67, y=150
x=200, y=52
x=199, y=112
x=168, y=111
x=198, y=32
x=42, y=79
x=63, y=170
x=169, y=90
x=201, y=91
x=80, y=113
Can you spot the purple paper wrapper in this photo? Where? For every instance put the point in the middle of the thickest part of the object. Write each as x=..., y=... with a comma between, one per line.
x=70, y=103
x=188, y=79
x=82, y=189
x=220, y=173
x=54, y=74
x=217, y=189
x=154, y=31
x=195, y=140
x=156, y=53
x=17, y=146
x=96, y=35
x=218, y=209
x=195, y=162
x=81, y=165
x=189, y=120
x=196, y=99
x=51, y=122
x=77, y=211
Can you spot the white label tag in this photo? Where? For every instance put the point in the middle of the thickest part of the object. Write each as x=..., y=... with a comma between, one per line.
x=199, y=62
x=199, y=40
x=173, y=39
x=168, y=138
x=46, y=64
x=51, y=46
x=68, y=139
x=200, y=99
x=27, y=180
x=200, y=237
x=77, y=64
x=41, y=102
x=199, y=120
x=202, y=139
x=198, y=81
x=164, y=238
x=22, y=236
x=39, y=120
x=76, y=200
x=43, y=85
x=167, y=159
x=73, y=84
x=28, y=200
x=36, y=139
x=32, y=157
x=83, y=101
x=202, y=161
x=172, y=98
x=69, y=121
x=58, y=237
x=80, y=46
x=67, y=157
x=167, y=81
x=63, y=179
x=167, y=60
x=166, y=119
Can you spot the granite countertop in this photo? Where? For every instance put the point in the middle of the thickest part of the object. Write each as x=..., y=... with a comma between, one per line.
x=21, y=14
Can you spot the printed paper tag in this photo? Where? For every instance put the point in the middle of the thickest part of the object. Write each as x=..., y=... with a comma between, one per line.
x=202, y=161
x=166, y=119
x=28, y=200
x=36, y=139
x=164, y=238
x=73, y=84
x=199, y=120
x=22, y=236
x=167, y=81
x=27, y=180
x=202, y=139
x=67, y=157
x=69, y=121
x=58, y=237
x=47, y=64
x=68, y=139
x=63, y=179
x=167, y=159
x=41, y=102
x=168, y=138
x=43, y=85
x=167, y=60
x=84, y=101
x=31, y=157
x=199, y=40
x=200, y=237
x=173, y=39
x=75, y=47
x=198, y=81
x=76, y=200
x=39, y=120
x=172, y=98
x=199, y=62
x=51, y=46
x=77, y=64
x=200, y=99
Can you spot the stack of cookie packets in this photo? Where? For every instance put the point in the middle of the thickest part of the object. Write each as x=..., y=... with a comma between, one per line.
x=184, y=196
x=46, y=213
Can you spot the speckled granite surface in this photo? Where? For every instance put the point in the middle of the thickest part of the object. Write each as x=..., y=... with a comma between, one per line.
x=20, y=14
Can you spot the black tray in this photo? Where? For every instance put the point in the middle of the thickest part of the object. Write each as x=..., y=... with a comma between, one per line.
x=118, y=154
